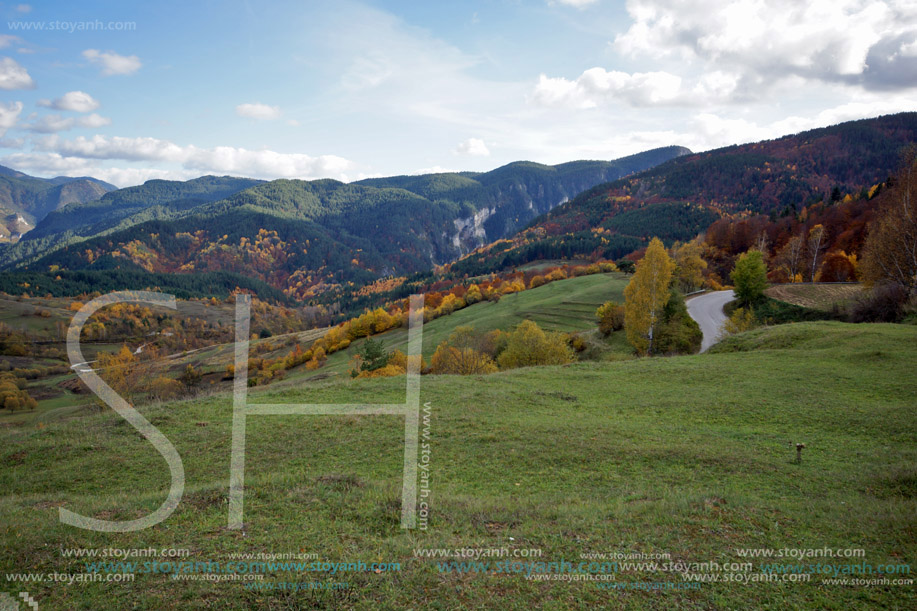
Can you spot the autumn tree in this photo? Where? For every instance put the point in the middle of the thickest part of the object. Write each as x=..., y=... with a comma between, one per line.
x=13, y=395
x=815, y=244
x=610, y=316
x=689, y=266
x=527, y=346
x=790, y=257
x=190, y=377
x=463, y=354
x=750, y=277
x=891, y=246
x=121, y=371
x=646, y=295
x=838, y=267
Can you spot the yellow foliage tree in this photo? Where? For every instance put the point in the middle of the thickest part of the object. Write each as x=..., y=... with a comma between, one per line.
x=646, y=295
x=690, y=266
x=527, y=345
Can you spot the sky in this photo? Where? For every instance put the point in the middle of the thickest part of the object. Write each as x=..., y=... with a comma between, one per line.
x=127, y=92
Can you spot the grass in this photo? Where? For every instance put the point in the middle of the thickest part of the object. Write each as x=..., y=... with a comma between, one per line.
x=690, y=456
x=566, y=305
x=824, y=297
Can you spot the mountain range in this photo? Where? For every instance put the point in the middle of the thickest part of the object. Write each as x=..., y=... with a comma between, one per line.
x=316, y=240
x=680, y=199
x=305, y=237
x=25, y=200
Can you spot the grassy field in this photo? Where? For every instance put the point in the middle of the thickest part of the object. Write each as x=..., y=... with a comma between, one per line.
x=688, y=456
x=566, y=305
x=816, y=296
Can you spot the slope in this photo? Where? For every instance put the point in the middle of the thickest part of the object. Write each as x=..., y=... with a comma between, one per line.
x=679, y=199
x=25, y=200
x=660, y=456
x=310, y=237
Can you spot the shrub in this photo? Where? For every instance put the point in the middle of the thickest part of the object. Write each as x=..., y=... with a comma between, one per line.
x=528, y=345
x=608, y=266
x=884, y=303
x=190, y=377
x=577, y=343
x=678, y=333
x=460, y=361
x=466, y=353
x=536, y=281
x=741, y=320
x=610, y=316
x=164, y=388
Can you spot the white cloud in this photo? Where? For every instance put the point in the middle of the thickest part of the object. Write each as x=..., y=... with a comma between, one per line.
x=258, y=110
x=14, y=76
x=112, y=63
x=93, y=121
x=767, y=40
x=77, y=101
x=596, y=86
x=23, y=8
x=53, y=164
x=219, y=160
x=473, y=146
x=9, y=115
x=50, y=124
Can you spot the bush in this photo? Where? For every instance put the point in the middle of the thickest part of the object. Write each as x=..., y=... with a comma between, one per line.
x=610, y=316
x=577, y=343
x=164, y=388
x=678, y=333
x=528, y=346
x=741, y=320
x=12, y=395
x=884, y=303
x=190, y=377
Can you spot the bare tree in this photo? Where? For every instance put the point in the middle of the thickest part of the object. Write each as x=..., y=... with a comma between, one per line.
x=790, y=256
x=891, y=246
x=815, y=244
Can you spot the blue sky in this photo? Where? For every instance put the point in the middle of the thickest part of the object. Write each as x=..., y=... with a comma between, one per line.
x=132, y=91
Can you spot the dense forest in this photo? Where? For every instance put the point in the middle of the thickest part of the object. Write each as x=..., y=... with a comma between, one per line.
x=779, y=179
x=302, y=238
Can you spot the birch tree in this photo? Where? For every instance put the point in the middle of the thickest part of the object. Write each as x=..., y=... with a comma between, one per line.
x=646, y=296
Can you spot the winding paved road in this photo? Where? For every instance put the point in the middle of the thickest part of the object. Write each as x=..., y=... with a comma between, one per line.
x=707, y=310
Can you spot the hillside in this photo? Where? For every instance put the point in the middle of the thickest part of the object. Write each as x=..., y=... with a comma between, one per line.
x=659, y=456
x=305, y=238
x=25, y=200
x=681, y=198
x=121, y=208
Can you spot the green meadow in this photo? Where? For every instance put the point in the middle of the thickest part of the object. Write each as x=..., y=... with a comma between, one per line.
x=690, y=456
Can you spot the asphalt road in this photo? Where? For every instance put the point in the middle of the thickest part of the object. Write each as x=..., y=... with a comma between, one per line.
x=707, y=310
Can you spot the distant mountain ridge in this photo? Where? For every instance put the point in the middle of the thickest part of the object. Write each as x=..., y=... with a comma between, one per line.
x=25, y=200
x=305, y=237
x=679, y=199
